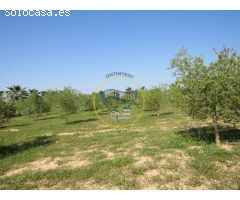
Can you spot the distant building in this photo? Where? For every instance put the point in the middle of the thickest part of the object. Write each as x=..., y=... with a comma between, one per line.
x=128, y=95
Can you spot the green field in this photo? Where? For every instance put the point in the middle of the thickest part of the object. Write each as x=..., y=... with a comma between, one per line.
x=171, y=151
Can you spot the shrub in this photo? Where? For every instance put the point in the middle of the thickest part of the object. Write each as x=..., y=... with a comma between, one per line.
x=69, y=102
x=7, y=111
x=35, y=104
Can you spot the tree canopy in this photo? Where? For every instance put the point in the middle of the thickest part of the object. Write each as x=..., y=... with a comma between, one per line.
x=204, y=91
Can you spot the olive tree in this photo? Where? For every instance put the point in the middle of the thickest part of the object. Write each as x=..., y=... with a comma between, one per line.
x=154, y=100
x=2, y=111
x=6, y=110
x=98, y=102
x=69, y=102
x=208, y=91
x=86, y=102
x=34, y=104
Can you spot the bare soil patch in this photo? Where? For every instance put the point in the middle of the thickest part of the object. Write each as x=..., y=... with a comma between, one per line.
x=143, y=160
x=48, y=163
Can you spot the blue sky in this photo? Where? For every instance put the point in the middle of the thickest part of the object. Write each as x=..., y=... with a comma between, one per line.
x=53, y=52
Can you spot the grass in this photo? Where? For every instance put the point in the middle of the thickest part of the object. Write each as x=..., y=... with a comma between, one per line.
x=171, y=151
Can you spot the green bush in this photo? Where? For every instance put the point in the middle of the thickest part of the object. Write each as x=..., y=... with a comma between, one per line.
x=69, y=102
x=7, y=111
x=34, y=104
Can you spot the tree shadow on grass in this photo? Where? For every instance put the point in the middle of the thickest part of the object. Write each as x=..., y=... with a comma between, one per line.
x=50, y=117
x=14, y=126
x=206, y=134
x=82, y=120
x=9, y=150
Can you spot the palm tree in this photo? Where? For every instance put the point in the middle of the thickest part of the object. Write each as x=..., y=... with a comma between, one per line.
x=16, y=92
x=33, y=91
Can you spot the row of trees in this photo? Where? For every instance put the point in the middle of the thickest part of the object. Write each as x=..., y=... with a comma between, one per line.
x=200, y=90
x=19, y=101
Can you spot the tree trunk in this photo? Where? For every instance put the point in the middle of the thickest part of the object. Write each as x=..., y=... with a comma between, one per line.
x=216, y=130
x=66, y=119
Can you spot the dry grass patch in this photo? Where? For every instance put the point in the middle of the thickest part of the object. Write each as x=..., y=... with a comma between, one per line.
x=43, y=164
x=49, y=163
x=91, y=133
x=76, y=164
x=229, y=166
x=92, y=185
x=168, y=173
x=178, y=156
x=143, y=160
x=12, y=130
x=138, y=145
x=227, y=147
x=121, y=129
x=109, y=154
x=81, y=133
